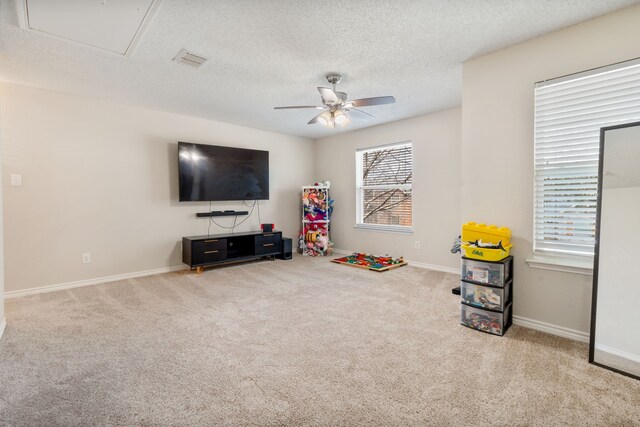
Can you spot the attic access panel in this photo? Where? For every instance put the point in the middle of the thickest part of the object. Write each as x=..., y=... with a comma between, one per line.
x=113, y=25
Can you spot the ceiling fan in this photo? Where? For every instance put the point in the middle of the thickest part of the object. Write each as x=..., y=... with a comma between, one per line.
x=336, y=109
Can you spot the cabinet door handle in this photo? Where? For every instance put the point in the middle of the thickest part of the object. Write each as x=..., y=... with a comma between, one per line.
x=210, y=252
x=268, y=244
x=268, y=235
x=210, y=241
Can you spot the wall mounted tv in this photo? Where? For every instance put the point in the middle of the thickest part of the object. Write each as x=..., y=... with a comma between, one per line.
x=214, y=173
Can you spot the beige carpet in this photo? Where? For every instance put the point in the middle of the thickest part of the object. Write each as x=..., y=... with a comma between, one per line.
x=302, y=342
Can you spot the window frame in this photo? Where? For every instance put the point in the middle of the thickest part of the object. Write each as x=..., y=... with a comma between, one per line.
x=543, y=256
x=359, y=224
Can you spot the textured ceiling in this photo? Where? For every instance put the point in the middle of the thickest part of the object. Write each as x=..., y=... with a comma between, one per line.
x=272, y=53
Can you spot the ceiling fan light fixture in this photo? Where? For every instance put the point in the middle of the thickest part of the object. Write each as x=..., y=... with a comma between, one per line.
x=324, y=119
x=339, y=117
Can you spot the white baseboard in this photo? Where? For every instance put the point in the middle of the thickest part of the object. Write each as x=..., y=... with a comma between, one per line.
x=413, y=263
x=621, y=354
x=342, y=252
x=560, y=331
x=89, y=282
x=442, y=268
x=3, y=324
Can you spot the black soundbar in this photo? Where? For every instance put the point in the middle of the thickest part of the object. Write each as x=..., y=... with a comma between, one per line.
x=222, y=213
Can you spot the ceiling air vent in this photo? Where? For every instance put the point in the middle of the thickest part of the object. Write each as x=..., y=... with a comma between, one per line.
x=189, y=58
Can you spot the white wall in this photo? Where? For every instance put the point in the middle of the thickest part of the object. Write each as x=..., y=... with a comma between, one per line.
x=102, y=178
x=436, y=187
x=497, y=149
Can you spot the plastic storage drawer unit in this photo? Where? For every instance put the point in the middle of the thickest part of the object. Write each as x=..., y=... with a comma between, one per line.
x=491, y=322
x=493, y=273
x=489, y=297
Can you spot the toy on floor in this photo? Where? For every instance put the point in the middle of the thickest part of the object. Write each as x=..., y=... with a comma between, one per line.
x=371, y=262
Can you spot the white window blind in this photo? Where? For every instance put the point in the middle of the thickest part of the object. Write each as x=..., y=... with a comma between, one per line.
x=569, y=113
x=383, y=186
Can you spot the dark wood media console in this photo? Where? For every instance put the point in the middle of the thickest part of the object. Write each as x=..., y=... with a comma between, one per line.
x=204, y=251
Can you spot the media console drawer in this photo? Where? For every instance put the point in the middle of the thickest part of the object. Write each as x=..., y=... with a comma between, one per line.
x=209, y=244
x=267, y=238
x=209, y=255
x=268, y=248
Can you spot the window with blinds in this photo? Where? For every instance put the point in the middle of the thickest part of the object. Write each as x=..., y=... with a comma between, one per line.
x=569, y=113
x=383, y=186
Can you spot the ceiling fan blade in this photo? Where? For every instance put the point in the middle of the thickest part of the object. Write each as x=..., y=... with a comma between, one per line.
x=347, y=114
x=359, y=114
x=299, y=106
x=328, y=95
x=376, y=100
x=315, y=119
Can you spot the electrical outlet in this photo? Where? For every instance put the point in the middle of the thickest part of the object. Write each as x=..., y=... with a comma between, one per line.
x=86, y=258
x=417, y=244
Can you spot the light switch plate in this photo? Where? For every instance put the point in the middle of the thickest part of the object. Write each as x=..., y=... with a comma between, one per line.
x=16, y=179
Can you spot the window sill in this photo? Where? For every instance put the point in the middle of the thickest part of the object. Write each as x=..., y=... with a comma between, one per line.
x=565, y=264
x=384, y=228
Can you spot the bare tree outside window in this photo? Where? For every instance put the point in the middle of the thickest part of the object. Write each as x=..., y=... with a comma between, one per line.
x=384, y=185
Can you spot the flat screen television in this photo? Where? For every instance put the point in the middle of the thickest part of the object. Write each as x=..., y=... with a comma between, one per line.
x=210, y=173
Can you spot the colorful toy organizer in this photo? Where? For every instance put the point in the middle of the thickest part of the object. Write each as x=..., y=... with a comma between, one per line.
x=316, y=217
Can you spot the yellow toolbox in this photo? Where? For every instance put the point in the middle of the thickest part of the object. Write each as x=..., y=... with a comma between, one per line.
x=472, y=232
x=485, y=254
